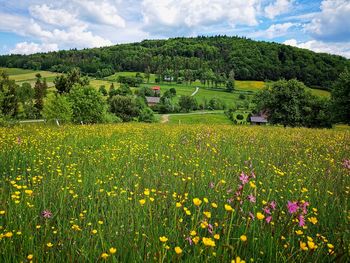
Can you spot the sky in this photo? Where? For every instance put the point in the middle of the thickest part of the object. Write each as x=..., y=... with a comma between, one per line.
x=28, y=27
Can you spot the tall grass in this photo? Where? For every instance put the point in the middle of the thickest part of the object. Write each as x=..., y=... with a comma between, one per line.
x=133, y=188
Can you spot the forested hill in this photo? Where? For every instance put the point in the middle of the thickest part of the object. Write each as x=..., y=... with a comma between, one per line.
x=250, y=60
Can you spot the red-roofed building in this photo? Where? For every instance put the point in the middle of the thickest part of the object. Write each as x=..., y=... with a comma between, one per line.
x=156, y=90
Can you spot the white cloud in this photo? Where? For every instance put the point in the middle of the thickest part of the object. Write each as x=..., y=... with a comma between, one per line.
x=340, y=48
x=278, y=7
x=102, y=12
x=26, y=48
x=276, y=30
x=57, y=17
x=167, y=16
x=332, y=23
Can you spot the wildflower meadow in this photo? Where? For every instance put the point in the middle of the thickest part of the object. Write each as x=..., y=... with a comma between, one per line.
x=174, y=193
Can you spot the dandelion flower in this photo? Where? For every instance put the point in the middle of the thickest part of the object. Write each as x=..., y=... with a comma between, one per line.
x=243, y=238
x=178, y=250
x=217, y=236
x=104, y=256
x=197, y=201
x=112, y=250
x=260, y=216
x=49, y=245
x=142, y=201
x=30, y=257
x=237, y=260
x=163, y=239
x=208, y=242
x=229, y=208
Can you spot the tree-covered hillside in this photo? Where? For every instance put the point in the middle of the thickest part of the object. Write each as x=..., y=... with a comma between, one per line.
x=196, y=58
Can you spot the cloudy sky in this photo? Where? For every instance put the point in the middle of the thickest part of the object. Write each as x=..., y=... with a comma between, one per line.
x=29, y=26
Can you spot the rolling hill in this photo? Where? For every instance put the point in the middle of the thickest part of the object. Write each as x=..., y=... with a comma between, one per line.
x=218, y=55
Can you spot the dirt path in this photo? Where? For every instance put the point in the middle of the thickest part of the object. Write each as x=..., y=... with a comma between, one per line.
x=195, y=92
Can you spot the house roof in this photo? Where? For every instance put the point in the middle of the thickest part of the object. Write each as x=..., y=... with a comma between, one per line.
x=156, y=88
x=152, y=99
x=258, y=119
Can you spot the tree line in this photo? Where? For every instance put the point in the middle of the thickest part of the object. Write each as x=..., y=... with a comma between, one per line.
x=209, y=59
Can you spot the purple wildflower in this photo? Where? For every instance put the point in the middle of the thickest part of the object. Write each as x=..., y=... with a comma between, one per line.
x=251, y=215
x=244, y=178
x=268, y=219
x=189, y=239
x=251, y=198
x=46, y=214
x=273, y=205
x=266, y=209
x=292, y=207
x=301, y=220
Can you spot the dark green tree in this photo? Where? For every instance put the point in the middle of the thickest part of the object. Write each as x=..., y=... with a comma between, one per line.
x=87, y=103
x=187, y=103
x=40, y=90
x=124, y=107
x=340, y=98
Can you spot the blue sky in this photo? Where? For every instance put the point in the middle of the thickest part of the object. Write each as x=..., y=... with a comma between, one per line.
x=40, y=26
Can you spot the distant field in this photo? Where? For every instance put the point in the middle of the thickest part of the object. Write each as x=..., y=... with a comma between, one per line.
x=211, y=118
x=115, y=76
x=16, y=71
x=205, y=93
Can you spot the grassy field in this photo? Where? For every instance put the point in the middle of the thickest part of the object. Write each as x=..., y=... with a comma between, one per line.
x=171, y=193
x=209, y=119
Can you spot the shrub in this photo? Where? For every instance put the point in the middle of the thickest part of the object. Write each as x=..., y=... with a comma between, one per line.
x=124, y=107
x=87, y=104
x=57, y=107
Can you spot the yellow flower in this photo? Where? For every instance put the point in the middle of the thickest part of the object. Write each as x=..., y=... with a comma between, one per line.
x=104, y=256
x=207, y=214
x=30, y=257
x=205, y=200
x=163, y=239
x=8, y=234
x=49, y=245
x=193, y=233
x=197, y=201
x=260, y=216
x=217, y=236
x=299, y=232
x=229, y=208
x=146, y=192
x=313, y=220
x=112, y=250
x=330, y=246
x=303, y=246
x=28, y=192
x=2, y=212
x=252, y=184
x=196, y=240
x=243, y=238
x=94, y=231
x=178, y=204
x=237, y=260
x=142, y=201
x=214, y=205
x=208, y=242
x=311, y=245
x=178, y=250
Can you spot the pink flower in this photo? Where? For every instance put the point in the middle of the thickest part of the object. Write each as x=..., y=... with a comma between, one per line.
x=46, y=214
x=273, y=205
x=211, y=185
x=251, y=198
x=292, y=207
x=244, y=178
x=268, y=219
x=266, y=209
x=210, y=228
x=304, y=207
x=251, y=215
x=301, y=220
x=189, y=240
